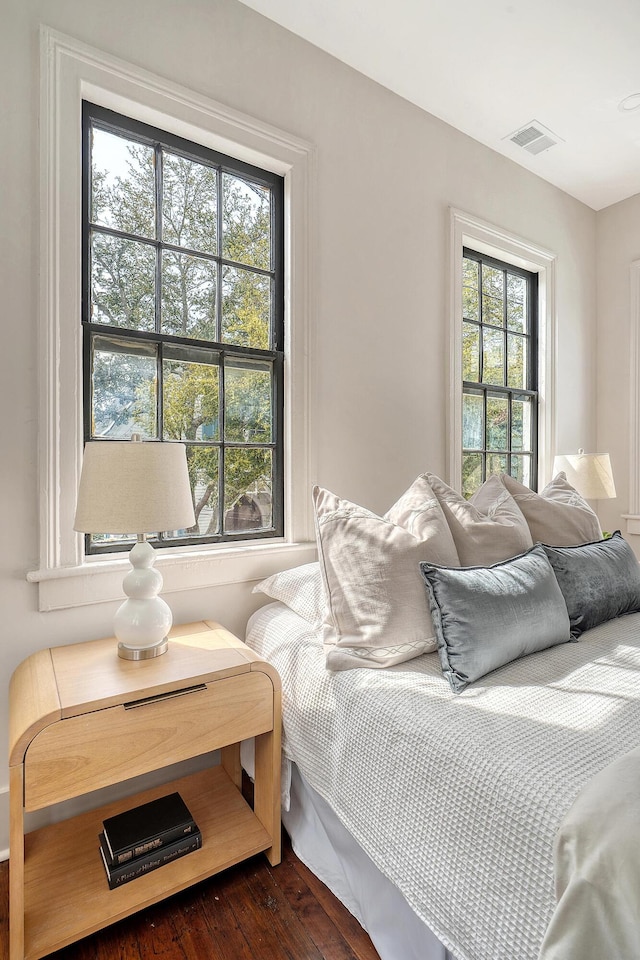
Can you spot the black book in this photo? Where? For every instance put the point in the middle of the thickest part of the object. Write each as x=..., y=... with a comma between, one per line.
x=147, y=827
x=117, y=874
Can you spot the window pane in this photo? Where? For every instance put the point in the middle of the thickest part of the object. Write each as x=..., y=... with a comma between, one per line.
x=204, y=468
x=123, y=389
x=470, y=352
x=121, y=540
x=516, y=287
x=472, y=417
x=515, y=315
x=492, y=310
x=470, y=304
x=246, y=309
x=470, y=273
x=122, y=184
x=492, y=281
x=190, y=394
x=516, y=302
x=521, y=469
x=246, y=222
x=471, y=473
x=516, y=362
x=496, y=463
x=497, y=423
x=188, y=296
x=248, y=390
x=189, y=204
x=493, y=357
x=521, y=424
x=122, y=282
x=248, y=485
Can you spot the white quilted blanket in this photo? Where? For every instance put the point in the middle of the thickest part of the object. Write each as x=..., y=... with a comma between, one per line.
x=457, y=799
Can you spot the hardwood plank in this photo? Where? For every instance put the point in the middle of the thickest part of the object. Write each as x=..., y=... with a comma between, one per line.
x=268, y=919
x=206, y=923
x=349, y=927
x=318, y=924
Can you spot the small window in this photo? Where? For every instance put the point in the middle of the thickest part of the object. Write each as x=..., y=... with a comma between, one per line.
x=499, y=371
x=183, y=306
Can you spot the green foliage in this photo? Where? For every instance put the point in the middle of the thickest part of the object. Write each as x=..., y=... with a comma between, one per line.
x=500, y=302
x=123, y=294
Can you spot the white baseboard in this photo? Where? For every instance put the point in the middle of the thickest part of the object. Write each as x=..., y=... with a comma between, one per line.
x=4, y=823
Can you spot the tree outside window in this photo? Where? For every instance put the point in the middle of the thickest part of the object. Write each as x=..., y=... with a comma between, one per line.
x=499, y=402
x=183, y=318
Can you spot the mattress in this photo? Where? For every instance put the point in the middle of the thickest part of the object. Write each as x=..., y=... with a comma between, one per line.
x=457, y=799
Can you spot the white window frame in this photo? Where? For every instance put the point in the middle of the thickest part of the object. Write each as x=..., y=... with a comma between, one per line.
x=70, y=72
x=469, y=231
x=633, y=516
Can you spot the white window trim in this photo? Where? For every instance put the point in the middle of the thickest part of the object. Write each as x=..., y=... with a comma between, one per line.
x=469, y=231
x=633, y=516
x=70, y=72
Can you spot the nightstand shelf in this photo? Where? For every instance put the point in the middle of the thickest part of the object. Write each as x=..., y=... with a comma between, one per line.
x=207, y=692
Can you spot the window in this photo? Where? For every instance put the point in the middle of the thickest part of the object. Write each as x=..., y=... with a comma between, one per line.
x=73, y=72
x=499, y=371
x=183, y=318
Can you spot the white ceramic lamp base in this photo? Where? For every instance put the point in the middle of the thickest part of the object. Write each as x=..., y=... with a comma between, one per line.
x=144, y=620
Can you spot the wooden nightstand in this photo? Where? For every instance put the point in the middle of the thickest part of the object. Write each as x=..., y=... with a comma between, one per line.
x=81, y=719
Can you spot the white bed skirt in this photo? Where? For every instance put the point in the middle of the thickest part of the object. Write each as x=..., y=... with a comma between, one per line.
x=325, y=846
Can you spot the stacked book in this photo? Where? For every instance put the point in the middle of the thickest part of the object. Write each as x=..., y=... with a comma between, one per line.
x=145, y=838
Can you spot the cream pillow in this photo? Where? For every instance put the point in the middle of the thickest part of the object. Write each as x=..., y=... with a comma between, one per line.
x=558, y=516
x=487, y=528
x=377, y=610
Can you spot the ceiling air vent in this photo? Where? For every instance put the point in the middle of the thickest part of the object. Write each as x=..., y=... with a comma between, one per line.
x=533, y=137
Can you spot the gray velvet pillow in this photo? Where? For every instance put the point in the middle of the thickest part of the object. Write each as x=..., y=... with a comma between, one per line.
x=599, y=581
x=485, y=617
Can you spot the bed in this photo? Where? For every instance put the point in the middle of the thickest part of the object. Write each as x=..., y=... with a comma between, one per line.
x=496, y=820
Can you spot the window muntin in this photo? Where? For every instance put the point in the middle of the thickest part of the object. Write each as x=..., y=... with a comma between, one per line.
x=499, y=371
x=183, y=318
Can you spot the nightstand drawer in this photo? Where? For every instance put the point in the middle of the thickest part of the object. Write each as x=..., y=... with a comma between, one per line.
x=79, y=754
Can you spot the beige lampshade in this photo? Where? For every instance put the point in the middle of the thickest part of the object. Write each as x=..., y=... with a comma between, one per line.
x=134, y=487
x=589, y=473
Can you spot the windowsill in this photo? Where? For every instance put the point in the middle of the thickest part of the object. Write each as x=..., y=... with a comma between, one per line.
x=98, y=580
x=633, y=522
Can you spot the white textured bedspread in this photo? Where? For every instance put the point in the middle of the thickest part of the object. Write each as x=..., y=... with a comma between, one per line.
x=458, y=799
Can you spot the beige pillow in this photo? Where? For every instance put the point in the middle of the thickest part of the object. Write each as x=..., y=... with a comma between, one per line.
x=487, y=528
x=558, y=515
x=377, y=608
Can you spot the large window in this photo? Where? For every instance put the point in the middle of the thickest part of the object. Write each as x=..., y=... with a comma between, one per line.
x=499, y=371
x=183, y=318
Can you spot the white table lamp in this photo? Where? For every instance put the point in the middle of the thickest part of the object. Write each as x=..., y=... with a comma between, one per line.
x=136, y=487
x=589, y=473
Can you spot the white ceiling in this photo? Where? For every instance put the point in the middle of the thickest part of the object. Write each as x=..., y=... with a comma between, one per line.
x=490, y=67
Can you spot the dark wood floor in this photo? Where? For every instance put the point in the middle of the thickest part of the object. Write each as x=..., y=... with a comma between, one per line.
x=250, y=911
